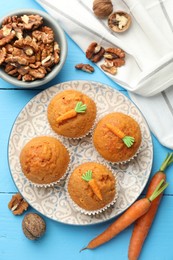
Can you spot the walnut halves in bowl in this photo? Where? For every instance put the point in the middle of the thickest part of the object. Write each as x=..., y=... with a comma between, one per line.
x=33, y=48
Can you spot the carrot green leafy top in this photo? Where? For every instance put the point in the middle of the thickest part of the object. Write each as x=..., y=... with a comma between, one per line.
x=159, y=189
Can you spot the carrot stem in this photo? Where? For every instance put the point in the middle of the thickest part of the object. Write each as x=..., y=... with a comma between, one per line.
x=168, y=160
x=159, y=189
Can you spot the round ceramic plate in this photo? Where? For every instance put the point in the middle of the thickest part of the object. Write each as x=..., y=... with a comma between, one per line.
x=52, y=202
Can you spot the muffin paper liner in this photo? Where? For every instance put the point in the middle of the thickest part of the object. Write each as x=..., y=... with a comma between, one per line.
x=121, y=162
x=131, y=158
x=92, y=212
x=51, y=184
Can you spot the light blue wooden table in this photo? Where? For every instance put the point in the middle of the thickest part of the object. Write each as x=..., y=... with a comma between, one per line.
x=64, y=241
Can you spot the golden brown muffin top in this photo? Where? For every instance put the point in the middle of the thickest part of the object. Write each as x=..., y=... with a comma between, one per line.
x=81, y=192
x=44, y=160
x=78, y=125
x=110, y=145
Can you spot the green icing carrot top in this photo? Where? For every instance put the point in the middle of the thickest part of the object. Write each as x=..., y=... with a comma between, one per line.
x=80, y=107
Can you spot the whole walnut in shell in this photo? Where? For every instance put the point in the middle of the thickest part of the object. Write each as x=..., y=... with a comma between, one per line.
x=102, y=8
x=33, y=226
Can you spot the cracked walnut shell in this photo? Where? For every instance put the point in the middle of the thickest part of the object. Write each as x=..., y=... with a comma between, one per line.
x=119, y=21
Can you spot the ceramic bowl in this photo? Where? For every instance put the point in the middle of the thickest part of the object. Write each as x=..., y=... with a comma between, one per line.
x=59, y=37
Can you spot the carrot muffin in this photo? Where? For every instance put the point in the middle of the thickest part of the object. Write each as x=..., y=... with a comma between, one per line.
x=71, y=113
x=92, y=187
x=117, y=137
x=44, y=160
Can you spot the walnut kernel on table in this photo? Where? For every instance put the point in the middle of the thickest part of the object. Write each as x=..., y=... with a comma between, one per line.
x=17, y=204
x=28, y=49
x=95, y=52
x=113, y=57
x=85, y=67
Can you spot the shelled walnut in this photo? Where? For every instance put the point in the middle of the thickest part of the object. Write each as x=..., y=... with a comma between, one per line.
x=113, y=58
x=3, y=53
x=95, y=52
x=17, y=204
x=85, y=67
x=28, y=49
x=6, y=34
x=108, y=68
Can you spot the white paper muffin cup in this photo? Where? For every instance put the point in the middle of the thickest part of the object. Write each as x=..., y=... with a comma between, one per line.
x=125, y=161
x=92, y=212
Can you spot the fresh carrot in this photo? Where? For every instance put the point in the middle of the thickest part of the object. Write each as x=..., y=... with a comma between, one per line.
x=143, y=224
x=128, y=140
x=138, y=209
x=93, y=184
x=79, y=108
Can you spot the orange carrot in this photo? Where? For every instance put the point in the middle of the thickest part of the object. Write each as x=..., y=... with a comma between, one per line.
x=138, y=209
x=79, y=108
x=143, y=224
x=93, y=184
x=128, y=140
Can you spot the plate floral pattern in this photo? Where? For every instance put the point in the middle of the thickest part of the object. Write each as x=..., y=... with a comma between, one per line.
x=52, y=202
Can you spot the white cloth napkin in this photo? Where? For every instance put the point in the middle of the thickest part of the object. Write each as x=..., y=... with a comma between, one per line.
x=148, y=72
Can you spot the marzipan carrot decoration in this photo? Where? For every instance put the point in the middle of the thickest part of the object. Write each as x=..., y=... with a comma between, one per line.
x=79, y=108
x=143, y=224
x=128, y=140
x=138, y=209
x=93, y=184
